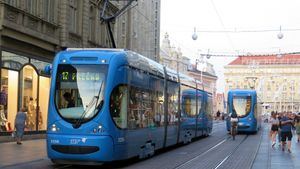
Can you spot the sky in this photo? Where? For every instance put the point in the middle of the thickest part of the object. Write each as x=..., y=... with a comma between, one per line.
x=231, y=21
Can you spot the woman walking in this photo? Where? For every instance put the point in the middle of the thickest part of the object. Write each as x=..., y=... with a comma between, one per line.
x=274, y=128
x=20, y=124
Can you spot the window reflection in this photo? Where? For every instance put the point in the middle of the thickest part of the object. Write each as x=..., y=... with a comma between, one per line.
x=13, y=61
x=242, y=105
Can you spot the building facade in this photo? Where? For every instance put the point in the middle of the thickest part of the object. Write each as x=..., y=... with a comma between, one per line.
x=276, y=80
x=209, y=79
x=220, y=103
x=139, y=28
x=172, y=57
x=31, y=33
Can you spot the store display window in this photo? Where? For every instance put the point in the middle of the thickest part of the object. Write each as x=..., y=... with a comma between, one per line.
x=28, y=95
x=8, y=95
x=44, y=88
x=23, y=84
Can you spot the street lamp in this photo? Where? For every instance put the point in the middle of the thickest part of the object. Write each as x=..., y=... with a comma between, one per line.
x=195, y=36
x=280, y=34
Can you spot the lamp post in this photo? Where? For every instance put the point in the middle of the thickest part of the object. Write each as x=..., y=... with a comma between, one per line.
x=195, y=37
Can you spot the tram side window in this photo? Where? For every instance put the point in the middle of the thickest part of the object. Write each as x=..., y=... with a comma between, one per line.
x=118, y=106
x=255, y=111
x=157, y=100
x=173, y=89
x=189, y=106
x=199, y=105
x=140, y=110
x=209, y=107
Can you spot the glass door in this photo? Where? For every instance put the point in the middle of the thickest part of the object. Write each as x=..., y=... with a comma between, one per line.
x=28, y=95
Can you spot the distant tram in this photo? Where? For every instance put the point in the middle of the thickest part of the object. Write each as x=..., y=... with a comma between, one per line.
x=245, y=104
x=109, y=104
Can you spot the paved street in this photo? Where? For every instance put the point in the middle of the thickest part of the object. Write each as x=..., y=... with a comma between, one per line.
x=215, y=151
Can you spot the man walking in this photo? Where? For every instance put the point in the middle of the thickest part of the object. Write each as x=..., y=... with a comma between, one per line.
x=286, y=130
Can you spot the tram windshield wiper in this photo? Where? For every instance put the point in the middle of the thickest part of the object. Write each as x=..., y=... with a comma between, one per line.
x=94, y=101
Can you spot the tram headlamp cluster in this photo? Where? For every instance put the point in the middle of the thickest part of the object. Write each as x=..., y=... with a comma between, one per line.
x=54, y=128
x=249, y=119
x=98, y=129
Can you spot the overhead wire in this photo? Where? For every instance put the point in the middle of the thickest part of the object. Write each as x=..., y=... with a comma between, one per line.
x=223, y=25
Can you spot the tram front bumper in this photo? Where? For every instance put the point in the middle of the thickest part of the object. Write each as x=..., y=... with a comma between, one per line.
x=80, y=148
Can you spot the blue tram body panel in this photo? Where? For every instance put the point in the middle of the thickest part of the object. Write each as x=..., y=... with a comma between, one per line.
x=247, y=107
x=99, y=107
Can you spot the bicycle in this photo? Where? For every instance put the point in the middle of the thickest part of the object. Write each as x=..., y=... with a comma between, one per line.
x=233, y=129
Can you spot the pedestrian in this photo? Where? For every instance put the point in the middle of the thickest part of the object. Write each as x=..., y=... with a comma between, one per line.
x=279, y=127
x=297, y=125
x=20, y=124
x=218, y=115
x=274, y=128
x=286, y=130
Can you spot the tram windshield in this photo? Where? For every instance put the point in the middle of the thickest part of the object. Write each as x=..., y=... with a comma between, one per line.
x=79, y=91
x=242, y=105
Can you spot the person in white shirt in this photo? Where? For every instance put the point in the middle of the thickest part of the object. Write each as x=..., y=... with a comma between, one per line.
x=274, y=128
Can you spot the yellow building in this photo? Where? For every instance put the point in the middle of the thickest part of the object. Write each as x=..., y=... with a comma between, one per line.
x=276, y=80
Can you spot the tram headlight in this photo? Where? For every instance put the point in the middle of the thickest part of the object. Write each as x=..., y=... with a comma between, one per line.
x=249, y=119
x=54, y=128
x=98, y=129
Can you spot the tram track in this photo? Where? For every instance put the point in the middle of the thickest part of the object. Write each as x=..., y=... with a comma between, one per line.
x=231, y=153
x=202, y=154
x=202, y=160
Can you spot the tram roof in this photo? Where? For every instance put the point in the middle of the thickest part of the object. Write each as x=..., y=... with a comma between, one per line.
x=143, y=63
x=242, y=91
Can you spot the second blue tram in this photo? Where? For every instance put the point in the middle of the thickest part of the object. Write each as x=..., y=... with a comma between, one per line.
x=108, y=105
x=245, y=104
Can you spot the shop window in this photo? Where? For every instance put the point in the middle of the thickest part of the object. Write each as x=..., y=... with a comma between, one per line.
x=13, y=61
x=44, y=89
x=8, y=95
x=173, y=89
x=28, y=95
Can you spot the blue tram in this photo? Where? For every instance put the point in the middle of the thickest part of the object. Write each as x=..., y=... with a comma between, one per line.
x=111, y=104
x=245, y=104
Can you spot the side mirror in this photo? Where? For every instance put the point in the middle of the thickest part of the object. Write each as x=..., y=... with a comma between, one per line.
x=48, y=69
